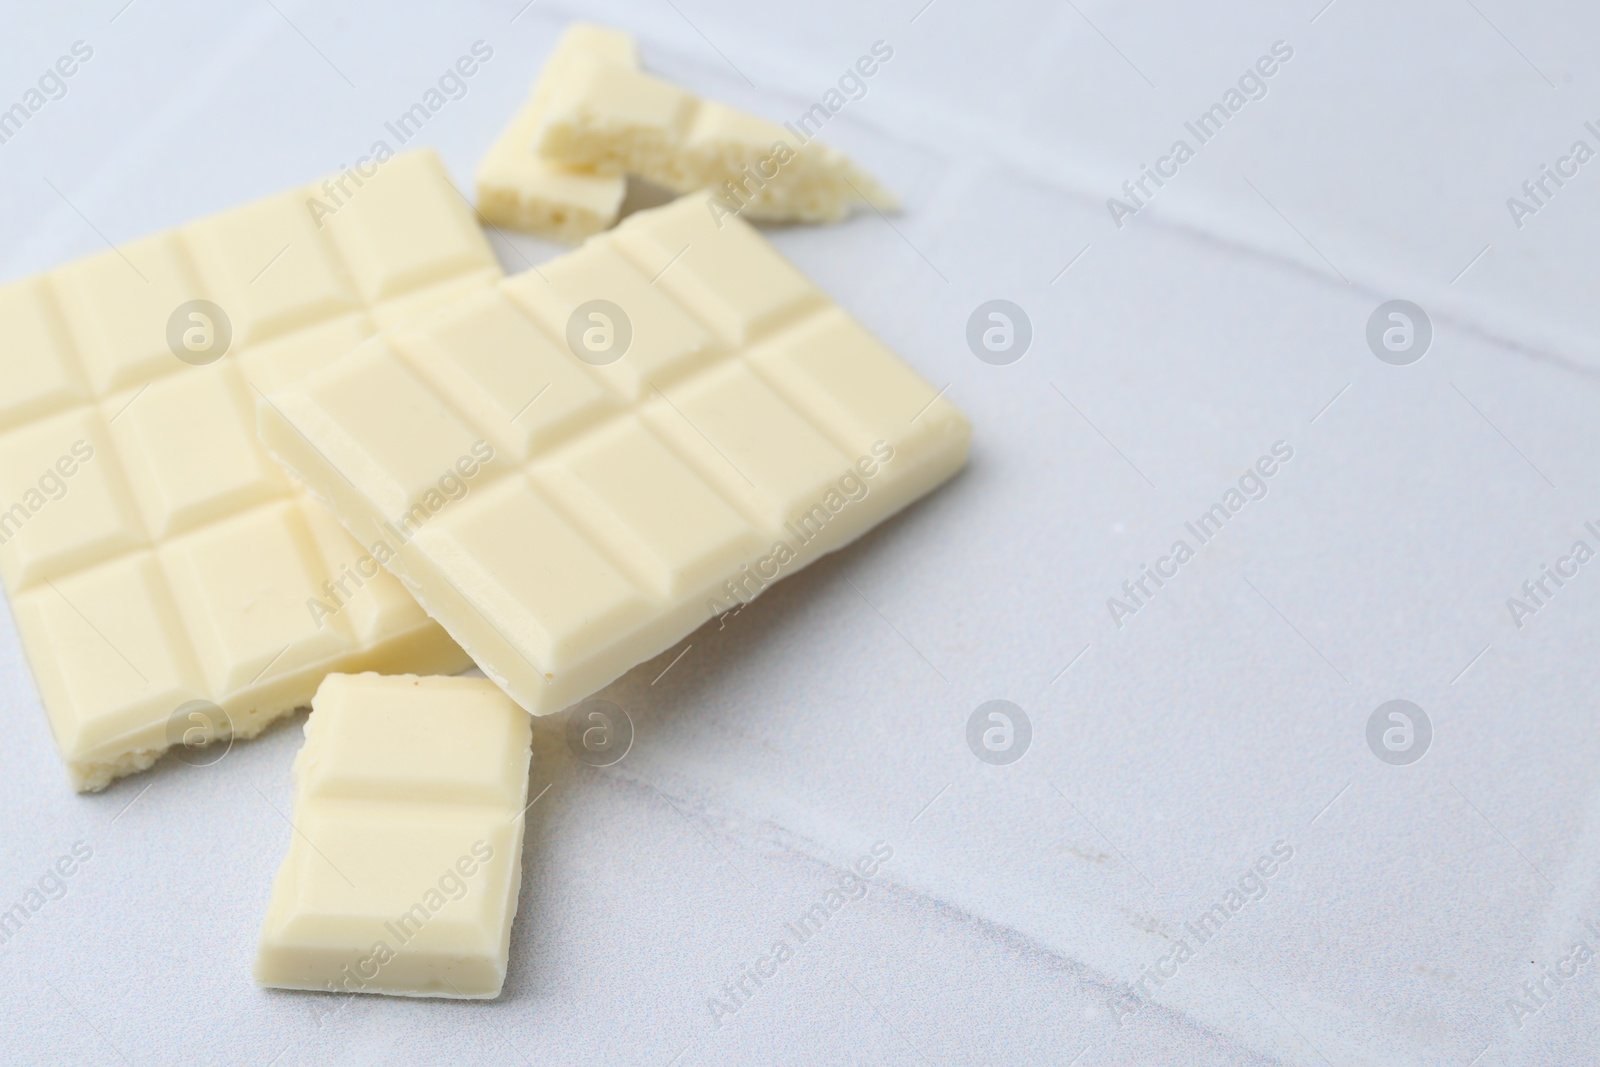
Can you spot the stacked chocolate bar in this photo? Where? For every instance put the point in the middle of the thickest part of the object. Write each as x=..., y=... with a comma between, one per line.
x=322, y=451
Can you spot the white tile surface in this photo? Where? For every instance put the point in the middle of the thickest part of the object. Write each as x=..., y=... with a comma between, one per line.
x=831, y=714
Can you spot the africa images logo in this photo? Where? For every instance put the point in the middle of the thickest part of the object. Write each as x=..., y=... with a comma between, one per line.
x=451, y=85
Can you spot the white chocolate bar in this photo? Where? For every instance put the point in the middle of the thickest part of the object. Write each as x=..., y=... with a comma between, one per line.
x=520, y=190
x=614, y=118
x=153, y=555
x=749, y=426
x=406, y=856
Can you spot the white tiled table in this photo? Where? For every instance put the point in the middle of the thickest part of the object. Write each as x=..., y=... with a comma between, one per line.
x=1229, y=713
